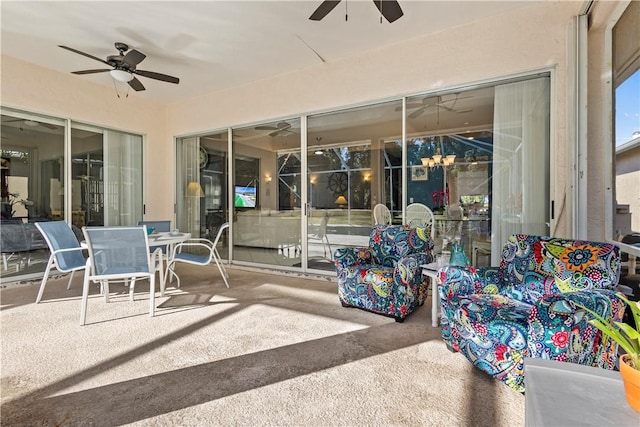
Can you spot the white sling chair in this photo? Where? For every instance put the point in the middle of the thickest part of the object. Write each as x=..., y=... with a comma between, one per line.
x=199, y=252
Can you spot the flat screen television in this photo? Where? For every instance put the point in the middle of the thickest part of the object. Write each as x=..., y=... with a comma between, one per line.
x=245, y=197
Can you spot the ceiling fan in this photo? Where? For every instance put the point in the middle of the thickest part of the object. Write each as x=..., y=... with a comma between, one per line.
x=390, y=9
x=280, y=129
x=123, y=66
x=443, y=104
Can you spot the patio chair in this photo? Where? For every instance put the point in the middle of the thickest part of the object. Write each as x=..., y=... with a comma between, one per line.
x=419, y=215
x=381, y=214
x=66, y=253
x=386, y=276
x=198, y=251
x=321, y=235
x=13, y=243
x=119, y=254
x=162, y=226
x=531, y=306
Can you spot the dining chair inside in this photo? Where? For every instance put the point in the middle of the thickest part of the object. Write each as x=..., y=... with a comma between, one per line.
x=381, y=215
x=198, y=251
x=119, y=254
x=66, y=253
x=419, y=215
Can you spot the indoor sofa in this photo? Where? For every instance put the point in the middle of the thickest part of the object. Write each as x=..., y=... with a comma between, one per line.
x=386, y=277
x=532, y=306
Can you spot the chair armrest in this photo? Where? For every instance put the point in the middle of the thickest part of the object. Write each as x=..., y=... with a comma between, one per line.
x=409, y=268
x=59, y=251
x=205, y=243
x=408, y=280
x=559, y=329
x=346, y=257
x=455, y=281
x=198, y=240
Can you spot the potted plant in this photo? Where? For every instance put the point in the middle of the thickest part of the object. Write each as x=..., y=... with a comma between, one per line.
x=628, y=338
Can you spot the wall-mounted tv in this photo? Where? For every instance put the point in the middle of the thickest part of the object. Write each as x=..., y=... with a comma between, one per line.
x=245, y=197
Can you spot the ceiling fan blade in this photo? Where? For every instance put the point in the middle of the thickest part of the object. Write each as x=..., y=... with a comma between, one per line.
x=133, y=58
x=282, y=132
x=84, y=54
x=48, y=125
x=266, y=128
x=136, y=84
x=446, y=108
x=417, y=113
x=390, y=9
x=324, y=9
x=102, y=70
x=157, y=76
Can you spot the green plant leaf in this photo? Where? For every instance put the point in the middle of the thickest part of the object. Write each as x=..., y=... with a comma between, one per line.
x=627, y=337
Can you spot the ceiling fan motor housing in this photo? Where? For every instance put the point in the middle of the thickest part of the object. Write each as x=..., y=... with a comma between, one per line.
x=121, y=47
x=117, y=61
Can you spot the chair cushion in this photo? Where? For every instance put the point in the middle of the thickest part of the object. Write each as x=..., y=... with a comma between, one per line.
x=369, y=287
x=389, y=243
x=572, y=264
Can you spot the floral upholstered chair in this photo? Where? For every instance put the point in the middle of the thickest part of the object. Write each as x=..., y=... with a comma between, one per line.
x=386, y=276
x=531, y=306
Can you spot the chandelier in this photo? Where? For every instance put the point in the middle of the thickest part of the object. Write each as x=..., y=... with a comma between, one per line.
x=438, y=160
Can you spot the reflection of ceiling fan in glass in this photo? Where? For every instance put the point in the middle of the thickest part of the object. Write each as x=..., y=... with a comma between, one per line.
x=419, y=107
x=26, y=123
x=280, y=129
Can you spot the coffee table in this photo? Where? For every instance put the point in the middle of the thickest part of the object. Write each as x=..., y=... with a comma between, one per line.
x=431, y=271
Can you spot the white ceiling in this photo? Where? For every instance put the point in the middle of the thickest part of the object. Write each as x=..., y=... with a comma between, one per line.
x=214, y=45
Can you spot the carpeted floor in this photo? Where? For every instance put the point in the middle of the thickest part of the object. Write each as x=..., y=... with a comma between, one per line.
x=273, y=350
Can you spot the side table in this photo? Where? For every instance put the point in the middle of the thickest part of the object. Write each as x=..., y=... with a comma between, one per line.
x=431, y=271
x=568, y=394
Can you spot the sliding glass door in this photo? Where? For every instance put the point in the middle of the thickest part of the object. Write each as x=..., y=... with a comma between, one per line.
x=267, y=185
x=106, y=177
x=96, y=180
x=202, y=188
x=33, y=167
x=478, y=158
x=346, y=169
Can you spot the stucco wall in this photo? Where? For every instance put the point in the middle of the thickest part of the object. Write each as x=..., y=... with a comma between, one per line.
x=525, y=40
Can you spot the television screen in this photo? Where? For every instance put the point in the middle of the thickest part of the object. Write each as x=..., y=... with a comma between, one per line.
x=245, y=197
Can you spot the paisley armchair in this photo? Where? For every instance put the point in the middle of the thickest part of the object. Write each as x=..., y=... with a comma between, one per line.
x=530, y=306
x=386, y=277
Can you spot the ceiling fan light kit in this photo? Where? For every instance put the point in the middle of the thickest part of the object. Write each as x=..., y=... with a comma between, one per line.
x=121, y=75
